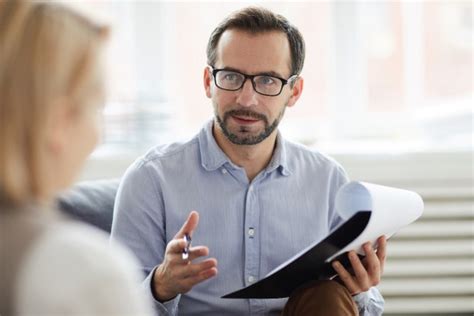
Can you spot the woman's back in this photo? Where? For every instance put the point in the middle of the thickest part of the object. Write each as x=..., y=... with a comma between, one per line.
x=52, y=266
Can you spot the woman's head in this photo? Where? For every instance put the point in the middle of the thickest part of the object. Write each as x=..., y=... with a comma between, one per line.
x=50, y=89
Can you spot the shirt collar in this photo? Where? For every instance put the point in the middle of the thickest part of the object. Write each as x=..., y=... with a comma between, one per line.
x=212, y=156
x=279, y=159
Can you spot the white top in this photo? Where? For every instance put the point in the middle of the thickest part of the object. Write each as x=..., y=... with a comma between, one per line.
x=72, y=270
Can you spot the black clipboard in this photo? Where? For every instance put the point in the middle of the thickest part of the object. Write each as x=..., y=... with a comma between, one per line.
x=310, y=265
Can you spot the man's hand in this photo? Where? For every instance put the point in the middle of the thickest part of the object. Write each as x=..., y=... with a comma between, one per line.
x=175, y=275
x=368, y=272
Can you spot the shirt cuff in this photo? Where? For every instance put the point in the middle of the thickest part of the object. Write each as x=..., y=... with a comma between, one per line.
x=163, y=308
x=362, y=299
x=370, y=302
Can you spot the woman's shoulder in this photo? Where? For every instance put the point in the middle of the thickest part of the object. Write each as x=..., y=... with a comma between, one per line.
x=67, y=241
x=72, y=266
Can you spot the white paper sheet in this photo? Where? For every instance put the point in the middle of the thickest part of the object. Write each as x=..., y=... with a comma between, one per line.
x=391, y=209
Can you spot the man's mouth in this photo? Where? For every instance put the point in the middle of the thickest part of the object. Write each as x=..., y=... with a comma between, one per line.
x=244, y=119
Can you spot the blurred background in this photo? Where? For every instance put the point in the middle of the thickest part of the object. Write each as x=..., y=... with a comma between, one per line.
x=388, y=93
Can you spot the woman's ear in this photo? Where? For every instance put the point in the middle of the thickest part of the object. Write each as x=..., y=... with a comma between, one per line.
x=296, y=90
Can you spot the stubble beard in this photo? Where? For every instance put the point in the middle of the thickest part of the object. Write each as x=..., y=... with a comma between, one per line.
x=244, y=136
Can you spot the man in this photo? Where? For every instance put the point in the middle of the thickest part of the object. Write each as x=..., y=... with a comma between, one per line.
x=261, y=199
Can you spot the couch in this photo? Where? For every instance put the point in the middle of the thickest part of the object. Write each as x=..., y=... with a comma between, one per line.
x=91, y=202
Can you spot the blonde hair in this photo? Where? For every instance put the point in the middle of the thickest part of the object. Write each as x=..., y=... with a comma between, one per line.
x=46, y=51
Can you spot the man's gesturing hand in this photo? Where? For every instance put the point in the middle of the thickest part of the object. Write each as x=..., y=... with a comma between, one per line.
x=175, y=275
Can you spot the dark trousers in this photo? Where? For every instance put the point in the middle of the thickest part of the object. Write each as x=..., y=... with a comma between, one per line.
x=321, y=298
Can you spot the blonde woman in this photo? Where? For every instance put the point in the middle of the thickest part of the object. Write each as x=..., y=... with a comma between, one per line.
x=50, y=98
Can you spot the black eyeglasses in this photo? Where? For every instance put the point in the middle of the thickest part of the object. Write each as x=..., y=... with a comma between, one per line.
x=232, y=80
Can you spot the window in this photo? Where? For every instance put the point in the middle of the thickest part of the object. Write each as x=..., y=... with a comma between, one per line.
x=379, y=76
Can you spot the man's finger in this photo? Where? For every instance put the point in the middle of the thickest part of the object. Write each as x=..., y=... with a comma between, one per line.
x=198, y=251
x=189, y=225
x=382, y=251
x=175, y=246
x=359, y=270
x=201, y=276
x=196, y=268
x=345, y=277
x=372, y=261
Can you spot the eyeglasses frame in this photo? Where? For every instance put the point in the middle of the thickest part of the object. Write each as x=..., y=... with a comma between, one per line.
x=214, y=72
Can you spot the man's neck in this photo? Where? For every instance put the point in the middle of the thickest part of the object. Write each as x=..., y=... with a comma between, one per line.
x=253, y=158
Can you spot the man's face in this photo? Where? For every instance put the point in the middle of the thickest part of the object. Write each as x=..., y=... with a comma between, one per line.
x=244, y=116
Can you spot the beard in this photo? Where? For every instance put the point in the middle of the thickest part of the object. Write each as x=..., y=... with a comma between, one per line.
x=244, y=135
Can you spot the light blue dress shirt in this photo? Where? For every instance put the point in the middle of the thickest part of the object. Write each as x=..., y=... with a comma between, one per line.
x=249, y=227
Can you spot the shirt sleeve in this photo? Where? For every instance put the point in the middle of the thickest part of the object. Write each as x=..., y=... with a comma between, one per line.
x=162, y=308
x=338, y=178
x=72, y=270
x=139, y=224
x=370, y=303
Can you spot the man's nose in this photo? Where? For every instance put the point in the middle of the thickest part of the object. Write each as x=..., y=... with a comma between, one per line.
x=247, y=95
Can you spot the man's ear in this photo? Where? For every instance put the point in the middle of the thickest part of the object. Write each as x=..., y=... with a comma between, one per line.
x=59, y=125
x=296, y=90
x=207, y=80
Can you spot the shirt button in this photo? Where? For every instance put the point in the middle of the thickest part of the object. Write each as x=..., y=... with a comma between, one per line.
x=251, y=279
x=251, y=231
x=223, y=171
x=250, y=188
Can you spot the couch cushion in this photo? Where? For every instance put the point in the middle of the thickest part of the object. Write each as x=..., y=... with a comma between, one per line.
x=91, y=202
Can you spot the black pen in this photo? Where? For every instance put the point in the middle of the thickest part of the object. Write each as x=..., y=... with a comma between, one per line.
x=185, y=254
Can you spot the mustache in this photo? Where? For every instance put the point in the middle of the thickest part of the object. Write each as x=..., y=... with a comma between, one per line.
x=245, y=112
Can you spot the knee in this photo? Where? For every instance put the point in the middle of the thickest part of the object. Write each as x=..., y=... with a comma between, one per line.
x=328, y=290
x=321, y=298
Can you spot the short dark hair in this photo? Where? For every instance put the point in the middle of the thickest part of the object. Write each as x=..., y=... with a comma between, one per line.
x=259, y=20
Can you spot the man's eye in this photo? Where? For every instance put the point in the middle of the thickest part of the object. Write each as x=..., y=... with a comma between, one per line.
x=231, y=77
x=266, y=80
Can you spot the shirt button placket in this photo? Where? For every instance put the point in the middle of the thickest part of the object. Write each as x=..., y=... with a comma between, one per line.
x=252, y=243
